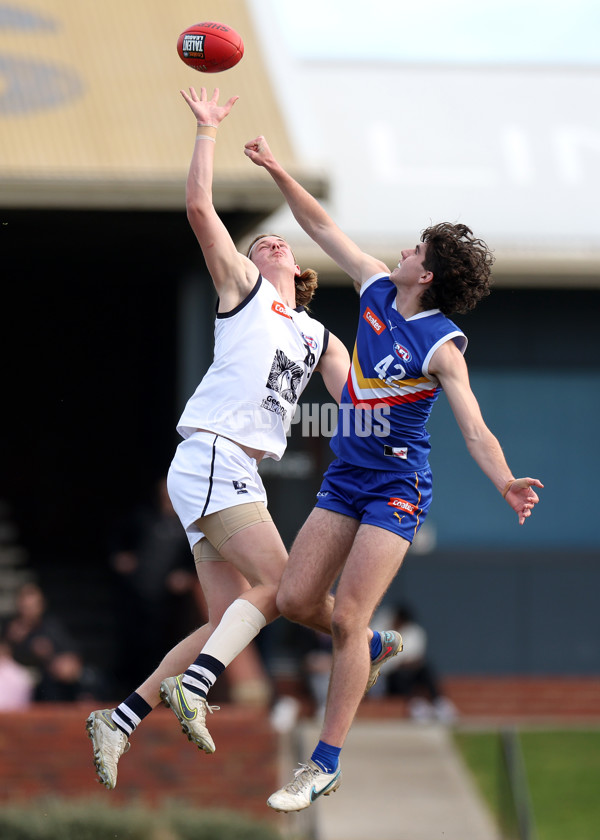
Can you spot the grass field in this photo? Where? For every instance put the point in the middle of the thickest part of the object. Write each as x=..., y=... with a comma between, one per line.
x=563, y=773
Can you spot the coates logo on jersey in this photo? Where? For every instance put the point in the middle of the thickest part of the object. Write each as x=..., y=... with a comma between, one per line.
x=372, y=319
x=310, y=342
x=280, y=309
x=402, y=352
x=402, y=504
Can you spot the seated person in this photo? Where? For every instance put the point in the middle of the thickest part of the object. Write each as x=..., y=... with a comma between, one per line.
x=411, y=675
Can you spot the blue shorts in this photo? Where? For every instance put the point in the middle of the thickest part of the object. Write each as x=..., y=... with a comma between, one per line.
x=394, y=501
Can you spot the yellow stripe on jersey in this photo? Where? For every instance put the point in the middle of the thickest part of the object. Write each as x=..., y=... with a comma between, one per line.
x=362, y=383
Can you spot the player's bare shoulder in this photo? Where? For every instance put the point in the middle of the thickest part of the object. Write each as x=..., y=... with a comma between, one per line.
x=447, y=363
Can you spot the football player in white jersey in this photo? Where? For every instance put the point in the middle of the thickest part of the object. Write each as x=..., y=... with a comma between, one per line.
x=266, y=349
x=377, y=492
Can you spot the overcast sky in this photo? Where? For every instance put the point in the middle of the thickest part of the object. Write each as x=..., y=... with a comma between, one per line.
x=522, y=31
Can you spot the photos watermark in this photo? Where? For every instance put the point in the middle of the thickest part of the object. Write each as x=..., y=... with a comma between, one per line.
x=309, y=419
x=323, y=419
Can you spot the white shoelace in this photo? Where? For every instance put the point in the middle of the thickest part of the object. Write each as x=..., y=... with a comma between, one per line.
x=299, y=783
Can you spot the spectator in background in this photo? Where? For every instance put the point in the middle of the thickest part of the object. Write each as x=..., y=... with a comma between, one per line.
x=34, y=633
x=16, y=683
x=43, y=646
x=412, y=676
x=68, y=679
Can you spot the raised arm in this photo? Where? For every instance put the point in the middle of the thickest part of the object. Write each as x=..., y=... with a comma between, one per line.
x=232, y=274
x=450, y=368
x=313, y=219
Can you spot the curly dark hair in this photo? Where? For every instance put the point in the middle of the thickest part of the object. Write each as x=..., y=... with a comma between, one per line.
x=306, y=282
x=461, y=267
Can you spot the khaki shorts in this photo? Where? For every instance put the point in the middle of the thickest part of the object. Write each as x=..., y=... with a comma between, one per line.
x=220, y=526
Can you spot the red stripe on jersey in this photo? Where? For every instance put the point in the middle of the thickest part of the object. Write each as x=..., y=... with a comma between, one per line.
x=374, y=402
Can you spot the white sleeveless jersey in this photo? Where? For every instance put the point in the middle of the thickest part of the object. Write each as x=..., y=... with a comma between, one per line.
x=264, y=356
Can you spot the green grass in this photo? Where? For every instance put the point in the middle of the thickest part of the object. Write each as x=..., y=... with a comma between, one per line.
x=563, y=773
x=480, y=752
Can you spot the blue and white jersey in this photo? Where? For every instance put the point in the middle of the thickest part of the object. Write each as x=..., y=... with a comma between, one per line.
x=388, y=396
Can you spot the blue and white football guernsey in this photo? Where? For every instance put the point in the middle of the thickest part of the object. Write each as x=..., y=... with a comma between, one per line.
x=389, y=393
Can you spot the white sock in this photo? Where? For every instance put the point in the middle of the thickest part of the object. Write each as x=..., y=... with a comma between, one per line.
x=241, y=623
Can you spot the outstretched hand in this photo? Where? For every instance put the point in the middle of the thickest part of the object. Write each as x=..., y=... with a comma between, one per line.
x=208, y=111
x=522, y=497
x=259, y=152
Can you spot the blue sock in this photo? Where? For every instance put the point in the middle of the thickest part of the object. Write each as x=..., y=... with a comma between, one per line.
x=375, y=645
x=326, y=756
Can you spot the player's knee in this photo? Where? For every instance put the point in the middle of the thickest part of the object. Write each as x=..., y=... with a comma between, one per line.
x=344, y=624
x=290, y=606
x=339, y=629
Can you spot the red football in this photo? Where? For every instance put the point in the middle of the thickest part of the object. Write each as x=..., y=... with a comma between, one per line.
x=210, y=47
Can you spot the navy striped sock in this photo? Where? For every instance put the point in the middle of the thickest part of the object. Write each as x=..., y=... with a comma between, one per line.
x=202, y=674
x=130, y=713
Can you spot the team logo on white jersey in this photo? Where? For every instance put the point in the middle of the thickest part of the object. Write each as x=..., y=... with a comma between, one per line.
x=310, y=341
x=239, y=486
x=285, y=377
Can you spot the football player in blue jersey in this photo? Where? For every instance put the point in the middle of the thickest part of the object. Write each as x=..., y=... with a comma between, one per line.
x=376, y=494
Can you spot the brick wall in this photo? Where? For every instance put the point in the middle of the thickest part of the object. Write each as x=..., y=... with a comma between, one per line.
x=563, y=698
x=521, y=698
x=45, y=751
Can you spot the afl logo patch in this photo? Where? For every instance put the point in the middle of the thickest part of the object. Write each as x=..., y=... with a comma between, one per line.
x=402, y=352
x=280, y=309
x=310, y=342
x=372, y=319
